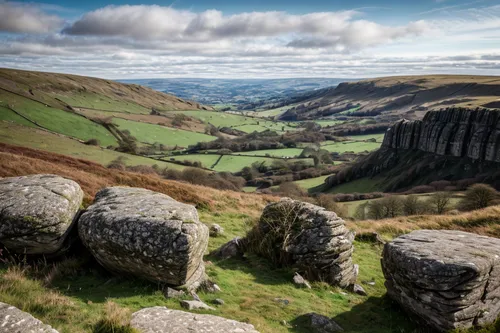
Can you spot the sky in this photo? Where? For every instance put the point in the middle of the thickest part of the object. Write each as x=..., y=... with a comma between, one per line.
x=251, y=39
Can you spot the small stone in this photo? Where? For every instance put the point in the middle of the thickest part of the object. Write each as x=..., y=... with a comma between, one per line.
x=316, y=323
x=370, y=283
x=300, y=281
x=216, y=230
x=357, y=289
x=284, y=323
x=210, y=287
x=282, y=301
x=195, y=305
x=233, y=248
x=218, y=301
x=172, y=293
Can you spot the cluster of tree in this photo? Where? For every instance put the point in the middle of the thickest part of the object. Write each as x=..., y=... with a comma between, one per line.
x=357, y=129
x=218, y=180
x=345, y=197
x=476, y=196
x=260, y=141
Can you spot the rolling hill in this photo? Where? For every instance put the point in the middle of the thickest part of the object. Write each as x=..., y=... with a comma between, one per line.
x=391, y=98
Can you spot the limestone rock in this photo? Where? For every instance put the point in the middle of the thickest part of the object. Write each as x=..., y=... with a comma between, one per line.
x=172, y=293
x=455, y=132
x=216, y=230
x=316, y=323
x=448, y=279
x=159, y=319
x=195, y=305
x=37, y=212
x=357, y=289
x=219, y=301
x=299, y=281
x=146, y=234
x=233, y=248
x=13, y=320
x=308, y=238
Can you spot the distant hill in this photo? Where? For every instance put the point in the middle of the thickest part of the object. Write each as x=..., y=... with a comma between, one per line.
x=391, y=98
x=64, y=90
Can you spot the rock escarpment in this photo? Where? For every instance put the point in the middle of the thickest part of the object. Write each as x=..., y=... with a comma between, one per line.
x=453, y=132
x=37, y=212
x=448, y=279
x=13, y=320
x=308, y=238
x=146, y=234
x=159, y=319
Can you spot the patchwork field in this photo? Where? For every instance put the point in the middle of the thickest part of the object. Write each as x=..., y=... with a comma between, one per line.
x=33, y=138
x=378, y=137
x=150, y=133
x=286, y=152
x=100, y=102
x=349, y=146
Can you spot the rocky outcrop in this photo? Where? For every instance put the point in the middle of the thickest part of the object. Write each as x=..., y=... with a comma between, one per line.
x=159, y=319
x=37, y=212
x=146, y=234
x=453, y=132
x=13, y=320
x=447, y=279
x=307, y=237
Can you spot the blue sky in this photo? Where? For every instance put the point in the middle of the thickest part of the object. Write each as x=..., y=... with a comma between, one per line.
x=237, y=39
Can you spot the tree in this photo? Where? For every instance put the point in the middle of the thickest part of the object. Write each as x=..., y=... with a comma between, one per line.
x=392, y=205
x=411, y=205
x=440, y=202
x=478, y=196
x=375, y=210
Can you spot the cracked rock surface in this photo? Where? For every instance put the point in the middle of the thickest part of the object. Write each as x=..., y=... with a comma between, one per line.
x=317, y=242
x=146, y=234
x=159, y=319
x=13, y=320
x=36, y=212
x=448, y=279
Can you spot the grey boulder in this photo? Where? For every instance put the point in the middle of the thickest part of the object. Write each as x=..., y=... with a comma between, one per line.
x=448, y=279
x=159, y=319
x=316, y=323
x=308, y=238
x=37, y=212
x=13, y=320
x=146, y=234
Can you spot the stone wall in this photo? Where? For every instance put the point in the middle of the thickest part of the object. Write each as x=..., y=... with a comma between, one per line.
x=454, y=132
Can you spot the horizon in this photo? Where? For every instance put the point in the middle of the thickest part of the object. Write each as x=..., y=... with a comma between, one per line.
x=264, y=40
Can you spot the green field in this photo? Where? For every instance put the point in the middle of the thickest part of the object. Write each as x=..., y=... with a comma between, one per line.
x=325, y=122
x=9, y=115
x=379, y=137
x=349, y=146
x=285, y=152
x=207, y=160
x=15, y=134
x=99, y=102
x=232, y=163
x=311, y=182
x=151, y=133
x=242, y=123
x=56, y=120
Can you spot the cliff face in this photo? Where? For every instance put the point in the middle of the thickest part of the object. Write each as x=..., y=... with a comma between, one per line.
x=454, y=132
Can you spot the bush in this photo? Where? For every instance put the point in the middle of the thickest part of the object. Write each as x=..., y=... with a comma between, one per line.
x=328, y=202
x=478, y=196
x=118, y=164
x=92, y=142
x=440, y=202
x=144, y=169
x=291, y=190
x=114, y=320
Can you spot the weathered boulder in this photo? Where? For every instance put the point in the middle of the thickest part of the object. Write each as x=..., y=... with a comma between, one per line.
x=159, y=319
x=306, y=237
x=448, y=279
x=195, y=305
x=216, y=230
x=234, y=248
x=316, y=323
x=146, y=234
x=37, y=212
x=13, y=320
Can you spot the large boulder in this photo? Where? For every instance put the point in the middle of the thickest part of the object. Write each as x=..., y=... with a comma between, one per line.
x=159, y=319
x=13, y=320
x=146, y=234
x=37, y=212
x=306, y=237
x=448, y=279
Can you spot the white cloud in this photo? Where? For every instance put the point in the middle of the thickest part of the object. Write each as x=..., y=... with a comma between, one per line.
x=26, y=18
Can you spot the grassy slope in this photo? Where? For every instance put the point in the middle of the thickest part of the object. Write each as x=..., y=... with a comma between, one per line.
x=233, y=163
x=57, y=120
x=356, y=147
x=362, y=185
x=379, y=137
x=33, y=138
x=150, y=133
x=286, y=152
x=207, y=160
x=74, y=302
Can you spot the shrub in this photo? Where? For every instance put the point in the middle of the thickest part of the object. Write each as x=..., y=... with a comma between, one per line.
x=144, y=169
x=92, y=142
x=291, y=190
x=328, y=202
x=118, y=164
x=478, y=196
x=440, y=202
x=114, y=320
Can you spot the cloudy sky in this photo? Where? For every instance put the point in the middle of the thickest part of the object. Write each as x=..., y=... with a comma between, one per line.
x=252, y=39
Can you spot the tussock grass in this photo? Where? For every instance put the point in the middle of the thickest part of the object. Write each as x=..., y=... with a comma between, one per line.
x=115, y=319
